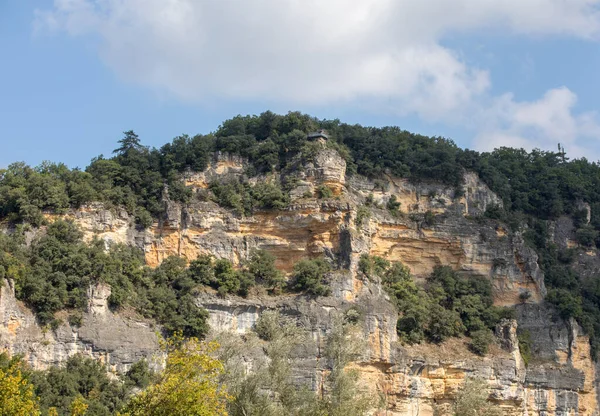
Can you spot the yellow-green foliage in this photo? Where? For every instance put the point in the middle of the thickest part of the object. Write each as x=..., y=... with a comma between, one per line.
x=79, y=406
x=188, y=386
x=16, y=392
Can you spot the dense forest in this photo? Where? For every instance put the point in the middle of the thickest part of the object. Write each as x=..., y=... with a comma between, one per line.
x=53, y=271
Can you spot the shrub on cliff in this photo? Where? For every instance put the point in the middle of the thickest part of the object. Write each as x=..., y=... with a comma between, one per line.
x=309, y=276
x=262, y=267
x=481, y=340
x=473, y=400
x=373, y=266
x=244, y=198
x=55, y=271
x=363, y=214
x=324, y=192
x=393, y=205
x=567, y=303
x=447, y=305
x=586, y=236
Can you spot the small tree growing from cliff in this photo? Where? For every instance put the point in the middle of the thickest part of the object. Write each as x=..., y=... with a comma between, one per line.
x=472, y=400
x=324, y=192
x=393, y=205
x=309, y=276
x=262, y=267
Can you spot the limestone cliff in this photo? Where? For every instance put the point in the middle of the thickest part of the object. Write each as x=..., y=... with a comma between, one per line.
x=559, y=380
x=116, y=340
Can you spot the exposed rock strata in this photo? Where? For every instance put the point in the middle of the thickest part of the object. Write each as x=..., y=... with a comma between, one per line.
x=113, y=339
x=560, y=380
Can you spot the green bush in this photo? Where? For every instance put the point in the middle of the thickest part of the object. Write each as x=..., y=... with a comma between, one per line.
x=393, y=205
x=201, y=270
x=373, y=266
x=262, y=268
x=362, y=214
x=448, y=305
x=481, y=340
x=233, y=195
x=567, y=303
x=525, y=344
x=76, y=319
x=244, y=199
x=139, y=375
x=229, y=280
x=143, y=218
x=429, y=218
x=586, y=236
x=324, y=192
x=443, y=323
x=59, y=386
x=309, y=276
x=352, y=316
x=494, y=211
x=268, y=325
x=473, y=400
x=524, y=296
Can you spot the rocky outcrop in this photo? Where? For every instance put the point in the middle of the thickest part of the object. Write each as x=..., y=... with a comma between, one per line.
x=418, y=379
x=435, y=225
x=116, y=340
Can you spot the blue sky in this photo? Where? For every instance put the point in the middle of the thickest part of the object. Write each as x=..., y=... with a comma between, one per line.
x=77, y=73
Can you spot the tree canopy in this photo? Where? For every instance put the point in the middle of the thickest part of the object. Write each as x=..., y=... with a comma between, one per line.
x=188, y=385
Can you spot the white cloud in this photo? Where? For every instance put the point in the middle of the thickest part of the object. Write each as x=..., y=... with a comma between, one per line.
x=343, y=52
x=540, y=124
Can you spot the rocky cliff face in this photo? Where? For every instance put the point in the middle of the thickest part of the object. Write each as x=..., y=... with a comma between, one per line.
x=559, y=380
x=116, y=340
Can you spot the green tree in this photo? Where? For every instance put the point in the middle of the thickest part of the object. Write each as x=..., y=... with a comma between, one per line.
x=262, y=267
x=130, y=141
x=481, y=340
x=393, y=205
x=309, y=276
x=17, y=397
x=188, y=386
x=81, y=383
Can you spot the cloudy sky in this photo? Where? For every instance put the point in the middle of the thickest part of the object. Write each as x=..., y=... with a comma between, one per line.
x=486, y=73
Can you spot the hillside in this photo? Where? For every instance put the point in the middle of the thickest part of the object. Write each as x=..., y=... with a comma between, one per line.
x=442, y=263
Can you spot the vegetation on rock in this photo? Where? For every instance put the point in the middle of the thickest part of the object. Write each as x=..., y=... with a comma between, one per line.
x=309, y=276
x=473, y=400
x=188, y=385
x=448, y=305
x=17, y=397
x=535, y=186
x=244, y=198
x=84, y=383
x=55, y=271
x=270, y=390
